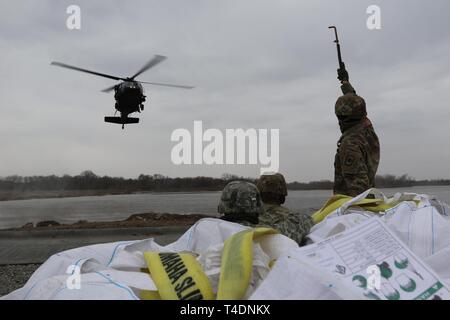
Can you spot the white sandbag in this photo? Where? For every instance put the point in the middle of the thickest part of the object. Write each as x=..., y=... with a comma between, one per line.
x=92, y=286
x=415, y=221
x=343, y=264
x=422, y=228
x=294, y=278
x=335, y=224
x=113, y=267
x=203, y=234
x=130, y=257
x=440, y=262
x=113, y=270
x=211, y=262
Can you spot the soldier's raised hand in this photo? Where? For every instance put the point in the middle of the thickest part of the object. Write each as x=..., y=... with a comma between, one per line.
x=342, y=73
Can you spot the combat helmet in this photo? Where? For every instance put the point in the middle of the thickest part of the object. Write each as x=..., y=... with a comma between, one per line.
x=350, y=109
x=272, y=188
x=240, y=200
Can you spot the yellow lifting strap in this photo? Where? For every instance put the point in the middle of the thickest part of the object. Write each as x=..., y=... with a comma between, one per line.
x=180, y=276
x=237, y=263
x=338, y=200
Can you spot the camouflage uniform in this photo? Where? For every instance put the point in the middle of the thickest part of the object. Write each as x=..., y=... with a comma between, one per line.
x=293, y=225
x=358, y=152
x=241, y=203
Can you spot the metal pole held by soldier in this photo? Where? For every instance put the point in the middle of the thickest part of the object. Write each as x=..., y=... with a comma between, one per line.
x=342, y=72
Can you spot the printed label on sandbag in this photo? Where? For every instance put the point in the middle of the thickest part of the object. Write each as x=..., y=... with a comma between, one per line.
x=371, y=258
x=178, y=276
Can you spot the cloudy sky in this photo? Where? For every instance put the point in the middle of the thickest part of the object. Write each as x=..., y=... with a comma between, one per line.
x=255, y=64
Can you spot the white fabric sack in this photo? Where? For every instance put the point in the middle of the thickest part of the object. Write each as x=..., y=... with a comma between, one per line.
x=421, y=226
x=111, y=271
x=294, y=278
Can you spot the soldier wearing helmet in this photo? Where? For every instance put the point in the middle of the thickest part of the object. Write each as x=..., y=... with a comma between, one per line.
x=358, y=149
x=241, y=202
x=273, y=190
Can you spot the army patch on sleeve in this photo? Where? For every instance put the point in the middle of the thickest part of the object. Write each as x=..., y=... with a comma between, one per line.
x=349, y=161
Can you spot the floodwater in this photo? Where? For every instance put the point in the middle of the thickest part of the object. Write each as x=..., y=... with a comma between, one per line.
x=117, y=207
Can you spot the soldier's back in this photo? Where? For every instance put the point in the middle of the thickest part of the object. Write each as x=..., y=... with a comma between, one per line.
x=357, y=159
x=291, y=224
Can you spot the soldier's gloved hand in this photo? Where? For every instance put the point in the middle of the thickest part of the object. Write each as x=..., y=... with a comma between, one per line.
x=342, y=74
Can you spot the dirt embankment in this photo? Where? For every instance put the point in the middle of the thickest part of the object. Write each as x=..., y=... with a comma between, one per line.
x=150, y=219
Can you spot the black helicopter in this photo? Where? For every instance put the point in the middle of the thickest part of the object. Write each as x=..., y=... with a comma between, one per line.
x=129, y=94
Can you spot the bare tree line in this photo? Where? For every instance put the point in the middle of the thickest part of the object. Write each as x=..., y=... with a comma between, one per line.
x=87, y=180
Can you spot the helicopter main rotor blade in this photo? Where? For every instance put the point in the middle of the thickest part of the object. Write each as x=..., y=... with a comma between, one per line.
x=167, y=85
x=59, y=64
x=109, y=89
x=153, y=62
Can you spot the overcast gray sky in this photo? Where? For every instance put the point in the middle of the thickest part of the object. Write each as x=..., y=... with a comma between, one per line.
x=255, y=64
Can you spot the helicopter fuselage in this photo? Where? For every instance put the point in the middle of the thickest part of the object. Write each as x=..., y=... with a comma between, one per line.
x=129, y=94
x=129, y=97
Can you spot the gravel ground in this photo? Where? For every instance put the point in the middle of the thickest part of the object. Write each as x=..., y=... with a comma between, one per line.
x=13, y=277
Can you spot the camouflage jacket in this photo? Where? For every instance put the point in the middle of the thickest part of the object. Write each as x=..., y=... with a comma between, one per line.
x=293, y=225
x=356, y=160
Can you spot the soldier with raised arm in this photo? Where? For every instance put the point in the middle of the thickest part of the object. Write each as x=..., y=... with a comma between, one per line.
x=358, y=149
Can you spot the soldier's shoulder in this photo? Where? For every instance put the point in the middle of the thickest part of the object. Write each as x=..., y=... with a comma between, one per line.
x=351, y=141
x=358, y=139
x=276, y=209
x=295, y=226
x=247, y=224
x=287, y=214
x=355, y=131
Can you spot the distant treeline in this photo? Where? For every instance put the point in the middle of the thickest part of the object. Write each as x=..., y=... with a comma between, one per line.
x=87, y=180
x=381, y=181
